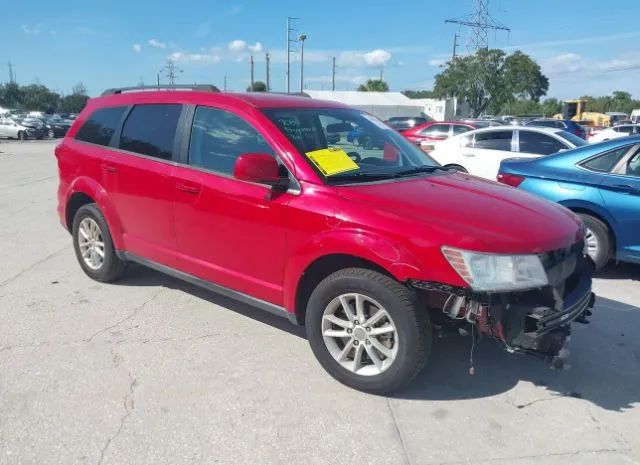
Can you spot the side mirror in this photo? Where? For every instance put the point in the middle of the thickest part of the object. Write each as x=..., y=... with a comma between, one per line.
x=257, y=167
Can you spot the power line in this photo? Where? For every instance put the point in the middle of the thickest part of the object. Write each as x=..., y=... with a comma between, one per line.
x=480, y=22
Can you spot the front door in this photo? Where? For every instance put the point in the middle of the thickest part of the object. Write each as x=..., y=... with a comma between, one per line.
x=229, y=232
x=621, y=193
x=486, y=150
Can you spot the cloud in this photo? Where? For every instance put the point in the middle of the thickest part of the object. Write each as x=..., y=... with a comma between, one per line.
x=568, y=64
x=203, y=58
x=137, y=48
x=156, y=43
x=373, y=59
x=34, y=30
x=257, y=48
x=237, y=46
x=578, y=41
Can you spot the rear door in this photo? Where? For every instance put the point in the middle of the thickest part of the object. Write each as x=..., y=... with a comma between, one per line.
x=140, y=172
x=487, y=150
x=621, y=193
x=535, y=144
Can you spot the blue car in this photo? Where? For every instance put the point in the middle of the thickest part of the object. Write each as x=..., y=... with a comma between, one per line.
x=599, y=182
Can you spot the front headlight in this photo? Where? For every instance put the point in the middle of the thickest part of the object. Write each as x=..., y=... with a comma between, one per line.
x=492, y=272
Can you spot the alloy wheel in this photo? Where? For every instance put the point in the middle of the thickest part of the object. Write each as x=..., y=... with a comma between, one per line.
x=592, y=244
x=360, y=334
x=91, y=243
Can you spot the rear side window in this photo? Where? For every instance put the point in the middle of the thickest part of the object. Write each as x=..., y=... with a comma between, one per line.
x=607, y=161
x=151, y=129
x=101, y=125
x=218, y=138
x=460, y=129
x=539, y=144
x=494, y=140
x=436, y=130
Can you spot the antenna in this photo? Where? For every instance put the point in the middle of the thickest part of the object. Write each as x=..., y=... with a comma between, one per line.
x=480, y=22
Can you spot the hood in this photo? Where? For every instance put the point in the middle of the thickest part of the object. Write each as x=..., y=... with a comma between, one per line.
x=468, y=212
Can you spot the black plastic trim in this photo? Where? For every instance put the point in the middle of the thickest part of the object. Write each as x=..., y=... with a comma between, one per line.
x=261, y=304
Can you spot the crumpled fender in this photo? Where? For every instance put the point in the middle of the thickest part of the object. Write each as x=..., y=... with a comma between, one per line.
x=396, y=260
x=94, y=190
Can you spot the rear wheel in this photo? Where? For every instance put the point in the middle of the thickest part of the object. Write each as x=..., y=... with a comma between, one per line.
x=459, y=168
x=597, y=240
x=93, y=245
x=366, y=331
x=51, y=134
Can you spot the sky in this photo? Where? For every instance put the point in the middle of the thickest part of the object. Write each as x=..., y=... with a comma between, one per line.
x=586, y=47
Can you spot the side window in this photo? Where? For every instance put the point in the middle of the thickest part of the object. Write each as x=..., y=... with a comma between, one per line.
x=633, y=167
x=539, y=144
x=460, y=129
x=101, y=125
x=607, y=161
x=436, y=130
x=494, y=140
x=151, y=129
x=218, y=138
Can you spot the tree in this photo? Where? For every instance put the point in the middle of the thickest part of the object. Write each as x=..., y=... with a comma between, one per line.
x=79, y=89
x=374, y=85
x=258, y=86
x=489, y=79
x=11, y=95
x=551, y=106
x=39, y=98
x=73, y=103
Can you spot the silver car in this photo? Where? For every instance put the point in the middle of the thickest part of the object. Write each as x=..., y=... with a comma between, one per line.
x=13, y=130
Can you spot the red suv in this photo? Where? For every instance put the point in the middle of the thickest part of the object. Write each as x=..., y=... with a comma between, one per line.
x=373, y=250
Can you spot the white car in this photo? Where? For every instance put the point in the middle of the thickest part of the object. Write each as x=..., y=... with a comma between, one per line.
x=479, y=152
x=614, y=132
x=13, y=130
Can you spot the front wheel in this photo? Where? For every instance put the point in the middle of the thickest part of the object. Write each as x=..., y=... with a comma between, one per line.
x=51, y=134
x=597, y=240
x=366, y=331
x=22, y=135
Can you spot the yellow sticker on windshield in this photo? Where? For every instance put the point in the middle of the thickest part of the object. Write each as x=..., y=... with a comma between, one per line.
x=332, y=160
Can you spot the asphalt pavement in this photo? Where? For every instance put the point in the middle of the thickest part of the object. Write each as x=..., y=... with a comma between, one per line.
x=150, y=370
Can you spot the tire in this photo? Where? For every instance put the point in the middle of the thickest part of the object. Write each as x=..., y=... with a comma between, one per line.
x=51, y=134
x=600, y=252
x=22, y=135
x=458, y=168
x=111, y=267
x=408, y=344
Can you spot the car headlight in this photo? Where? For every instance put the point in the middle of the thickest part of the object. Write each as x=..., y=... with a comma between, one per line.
x=494, y=272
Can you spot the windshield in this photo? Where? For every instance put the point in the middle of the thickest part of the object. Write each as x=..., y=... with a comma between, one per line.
x=347, y=145
x=575, y=140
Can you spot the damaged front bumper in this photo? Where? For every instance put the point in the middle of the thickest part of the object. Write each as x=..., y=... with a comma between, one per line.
x=535, y=321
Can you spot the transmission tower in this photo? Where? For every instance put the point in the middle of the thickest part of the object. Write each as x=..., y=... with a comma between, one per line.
x=480, y=23
x=171, y=71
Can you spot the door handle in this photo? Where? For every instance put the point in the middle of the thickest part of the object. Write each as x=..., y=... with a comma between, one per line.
x=625, y=188
x=189, y=189
x=109, y=168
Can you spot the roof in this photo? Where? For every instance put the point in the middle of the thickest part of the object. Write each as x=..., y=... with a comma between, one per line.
x=357, y=98
x=254, y=99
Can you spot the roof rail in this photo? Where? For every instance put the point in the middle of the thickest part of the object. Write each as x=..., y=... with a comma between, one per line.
x=293, y=94
x=198, y=87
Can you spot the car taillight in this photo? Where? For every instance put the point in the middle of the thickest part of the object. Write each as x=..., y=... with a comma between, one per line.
x=512, y=180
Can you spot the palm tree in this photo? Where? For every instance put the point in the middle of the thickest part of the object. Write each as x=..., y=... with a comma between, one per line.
x=374, y=85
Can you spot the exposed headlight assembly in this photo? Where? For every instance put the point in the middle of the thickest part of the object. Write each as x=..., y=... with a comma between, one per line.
x=494, y=272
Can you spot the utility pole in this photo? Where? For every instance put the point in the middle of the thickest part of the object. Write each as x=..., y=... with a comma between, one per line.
x=302, y=38
x=480, y=23
x=268, y=83
x=381, y=74
x=225, y=84
x=333, y=74
x=171, y=70
x=12, y=77
x=251, y=61
x=289, y=40
x=455, y=46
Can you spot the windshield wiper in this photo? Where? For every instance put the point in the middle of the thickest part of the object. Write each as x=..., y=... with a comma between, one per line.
x=421, y=169
x=369, y=176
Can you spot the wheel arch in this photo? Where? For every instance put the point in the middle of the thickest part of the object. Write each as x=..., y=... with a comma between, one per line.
x=593, y=210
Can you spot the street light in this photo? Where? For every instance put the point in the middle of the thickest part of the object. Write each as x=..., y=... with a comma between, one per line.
x=302, y=38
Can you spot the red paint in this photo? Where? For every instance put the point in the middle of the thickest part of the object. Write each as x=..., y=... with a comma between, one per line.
x=414, y=135
x=256, y=167
x=254, y=239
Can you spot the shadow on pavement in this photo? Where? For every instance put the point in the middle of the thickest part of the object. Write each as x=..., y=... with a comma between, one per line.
x=605, y=355
x=620, y=271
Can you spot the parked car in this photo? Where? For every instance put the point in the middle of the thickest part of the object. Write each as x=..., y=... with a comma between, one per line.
x=241, y=194
x=562, y=124
x=361, y=137
x=434, y=131
x=615, y=132
x=599, y=182
x=12, y=129
x=480, y=152
x=37, y=126
x=402, y=123
x=56, y=126
x=482, y=123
